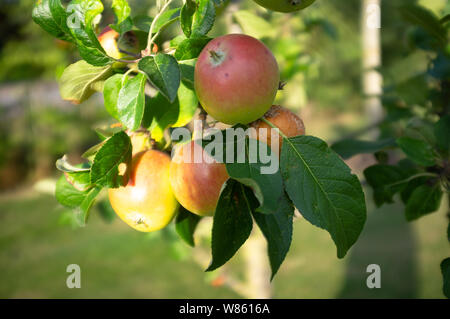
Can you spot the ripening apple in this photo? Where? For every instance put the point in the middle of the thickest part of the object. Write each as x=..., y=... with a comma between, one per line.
x=285, y=5
x=289, y=124
x=236, y=78
x=108, y=39
x=196, y=186
x=147, y=202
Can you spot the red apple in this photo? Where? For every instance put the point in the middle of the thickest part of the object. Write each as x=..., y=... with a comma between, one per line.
x=286, y=121
x=236, y=79
x=196, y=186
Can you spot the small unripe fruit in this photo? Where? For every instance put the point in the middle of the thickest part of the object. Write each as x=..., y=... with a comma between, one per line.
x=285, y=5
x=147, y=202
x=236, y=79
x=196, y=186
x=289, y=124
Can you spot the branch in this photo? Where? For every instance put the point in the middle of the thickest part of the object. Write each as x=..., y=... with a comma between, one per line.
x=151, y=38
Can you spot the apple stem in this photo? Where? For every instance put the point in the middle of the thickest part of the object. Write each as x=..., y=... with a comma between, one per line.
x=127, y=61
x=215, y=56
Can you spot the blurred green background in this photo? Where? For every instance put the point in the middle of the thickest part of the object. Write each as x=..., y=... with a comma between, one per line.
x=319, y=52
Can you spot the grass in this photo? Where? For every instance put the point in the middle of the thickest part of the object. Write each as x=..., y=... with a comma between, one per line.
x=117, y=262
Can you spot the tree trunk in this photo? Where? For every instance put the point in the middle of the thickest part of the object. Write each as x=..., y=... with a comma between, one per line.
x=257, y=267
x=372, y=80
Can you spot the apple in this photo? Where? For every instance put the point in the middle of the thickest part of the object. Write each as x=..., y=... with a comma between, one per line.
x=108, y=39
x=286, y=121
x=196, y=186
x=147, y=202
x=236, y=78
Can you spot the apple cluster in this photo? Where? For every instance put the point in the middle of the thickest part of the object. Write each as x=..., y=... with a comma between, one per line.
x=236, y=81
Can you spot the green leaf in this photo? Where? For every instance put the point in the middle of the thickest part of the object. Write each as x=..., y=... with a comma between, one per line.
x=442, y=133
x=131, y=101
x=421, y=130
x=197, y=17
x=78, y=80
x=267, y=187
x=411, y=185
x=79, y=201
x=163, y=72
x=191, y=48
x=80, y=180
x=185, y=224
x=187, y=69
x=122, y=12
x=187, y=12
x=90, y=153
x=78, y=176
x=83, y=13
x=277, y=228
x=106, y=131
x=82, y=211
x=51, y=16
x=111, y=91
x=247, y=165
x=232, y=222
x=323, y=189
x=116, y=150
x=121, y=9
x=254, y=26
x=445, y=269
x=386, y=181
x=175, y=42
x=165, y=19
x=63, y=165
x=160, y=114
x=349, y=148
x=424, y=200
x=418, y=151
x=427, y=20
x=143, y=22
x=67, y=195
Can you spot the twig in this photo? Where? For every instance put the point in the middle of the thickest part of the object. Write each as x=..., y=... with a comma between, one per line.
x=136, y=55
x=151, y=38
x=127, y=61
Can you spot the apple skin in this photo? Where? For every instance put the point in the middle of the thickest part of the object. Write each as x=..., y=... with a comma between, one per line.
x=108, y=39
x=236, y=79
x=288, y=122
x=285, y=5
x=147, y=202
x=196, y=186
